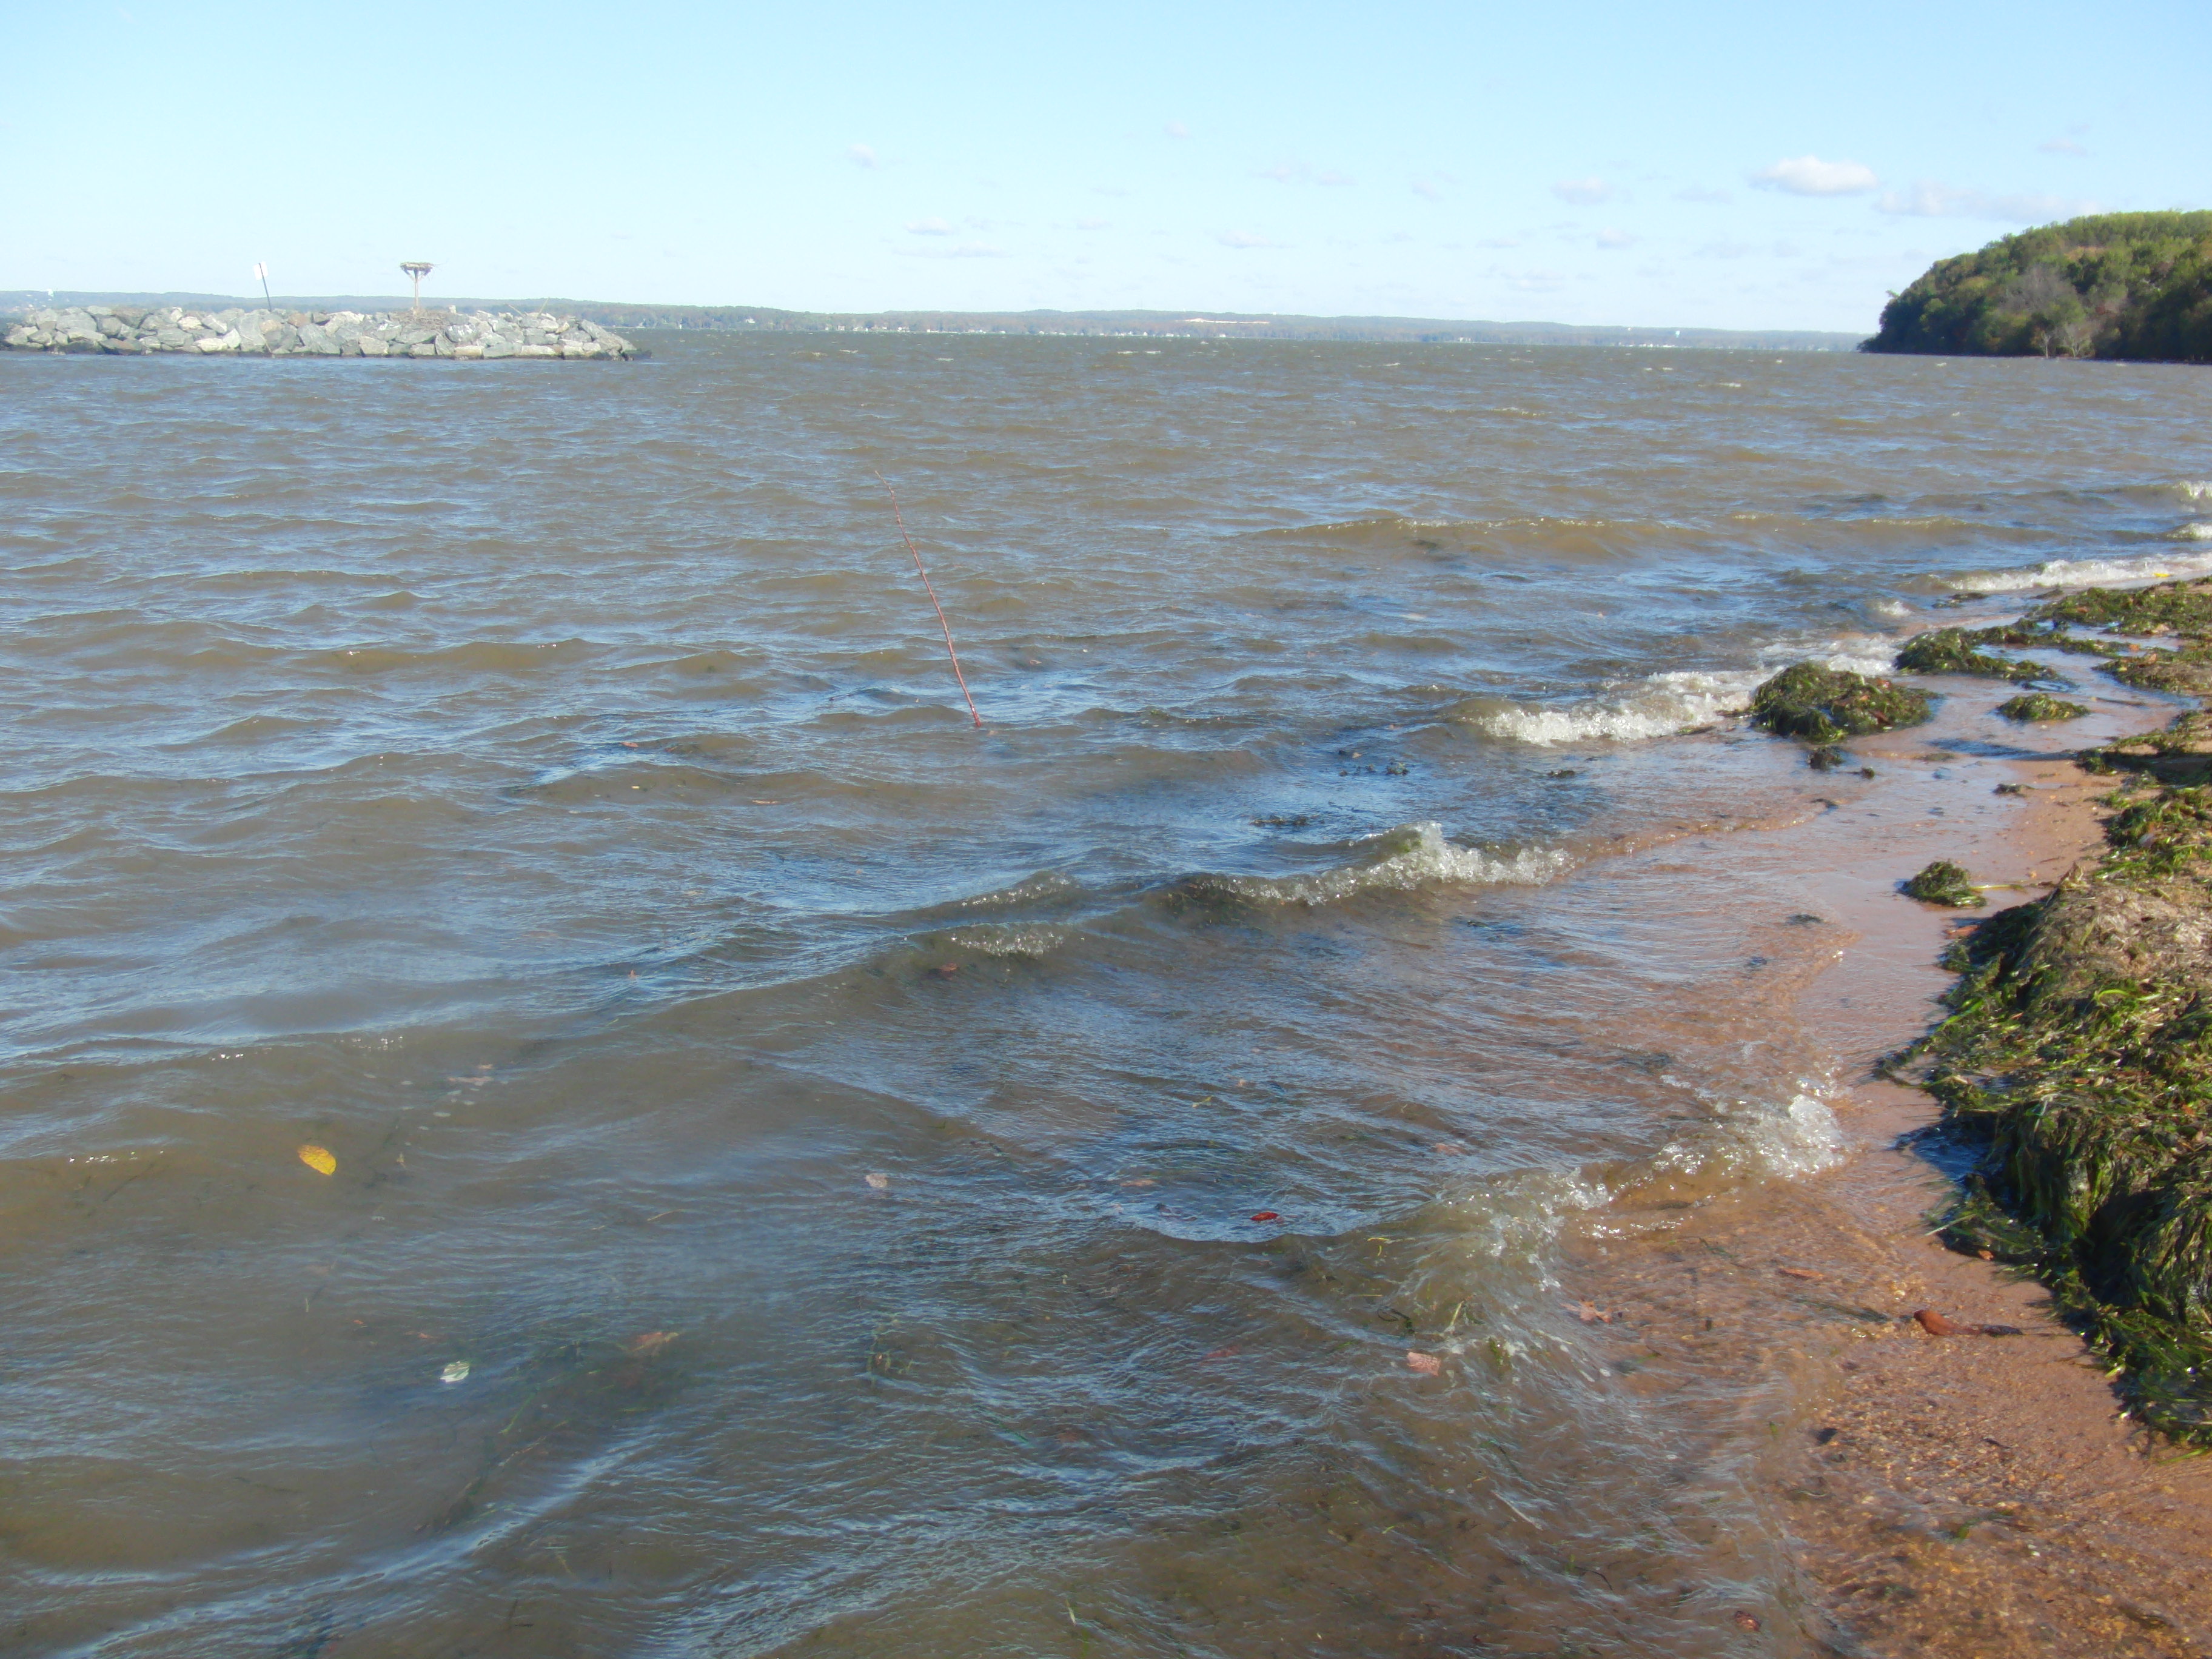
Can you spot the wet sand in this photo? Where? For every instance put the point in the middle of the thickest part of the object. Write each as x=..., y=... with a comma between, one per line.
x=1965, y=1495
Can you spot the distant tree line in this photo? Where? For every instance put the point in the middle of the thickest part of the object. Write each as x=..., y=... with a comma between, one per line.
x=2135, y=285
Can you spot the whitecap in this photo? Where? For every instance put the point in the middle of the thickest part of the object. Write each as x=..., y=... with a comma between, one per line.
x=2093, y=573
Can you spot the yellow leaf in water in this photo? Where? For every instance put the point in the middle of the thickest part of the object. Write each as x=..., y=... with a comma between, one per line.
x=319, y=1158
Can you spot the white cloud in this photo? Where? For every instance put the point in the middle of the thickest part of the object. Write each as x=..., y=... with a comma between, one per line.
x=1327, y=176
x=1091, y=224
x=1582, y=193
x=1429, y=190
x=1176, y=129
x=2063, y=147
x=1929, y=199
x=1615, y=239
x=1244, y=239
x=1808, y=175
x=861, y=155
x=1699, y=193
x=929, y=227
x=978, y=250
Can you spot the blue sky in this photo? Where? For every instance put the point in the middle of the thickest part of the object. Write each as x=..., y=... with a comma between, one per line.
x=1699, y=163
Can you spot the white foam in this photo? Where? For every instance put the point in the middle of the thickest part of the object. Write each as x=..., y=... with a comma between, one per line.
x=2197, y=490
x=1659, y=706
x=1411, y=856
x=1802, y=1138
x=1663, y=705
x=2093, y=573
x=1797, y=1138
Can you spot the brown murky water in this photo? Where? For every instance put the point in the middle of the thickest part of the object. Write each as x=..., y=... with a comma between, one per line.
x=812, y=1177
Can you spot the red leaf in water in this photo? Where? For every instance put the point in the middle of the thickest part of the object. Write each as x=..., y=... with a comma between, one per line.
x=1267, y=1215
x=1747, y=1621
x=1423, y=1364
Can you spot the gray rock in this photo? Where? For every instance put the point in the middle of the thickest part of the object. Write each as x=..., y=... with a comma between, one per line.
x=499, y=345
x=369, y=346
x=319, y=340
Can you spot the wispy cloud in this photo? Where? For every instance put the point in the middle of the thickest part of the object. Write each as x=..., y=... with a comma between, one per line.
x=1092, y=224
x=1176, y=129
x=1582, y=193
x=1808, y=175
x=1428, y=189
x=1929, y=199
x=1244, y=238
x=1699, y=193
x=2063, y=147
x=1615, y=239
x=929, y=227
x=1287, y=173
x=863, y=155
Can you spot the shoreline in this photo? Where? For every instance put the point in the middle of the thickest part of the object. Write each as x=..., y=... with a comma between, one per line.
x=1968, y=1493
x=1992, y=1493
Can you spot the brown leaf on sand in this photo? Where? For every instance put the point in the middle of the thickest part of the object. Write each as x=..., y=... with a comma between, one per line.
x=1423, y=1364
x=1796, y=1273
x=944, y=970
x=1590, y=1314
x=651, y=1342
x=1935, y=1325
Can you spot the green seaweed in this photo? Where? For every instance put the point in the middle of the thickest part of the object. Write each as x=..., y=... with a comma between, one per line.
x=1827, y=705
x=1951, y=651
x=1944, y=882
x=2179, y=607
x=2040, y=706
x=2079, y=1052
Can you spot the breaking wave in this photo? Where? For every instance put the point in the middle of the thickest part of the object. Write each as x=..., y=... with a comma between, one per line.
x=1669, y=703
x=2092, y=573
x=1413, y=855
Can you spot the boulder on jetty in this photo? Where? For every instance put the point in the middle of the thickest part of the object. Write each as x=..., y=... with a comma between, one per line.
x=136, y=330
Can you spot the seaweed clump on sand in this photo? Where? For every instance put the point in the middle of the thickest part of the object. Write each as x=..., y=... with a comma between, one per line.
x=2033, y=706
x=1951, y=651
x=1825, y=705
x=2079, y=1050
x=1944, y=882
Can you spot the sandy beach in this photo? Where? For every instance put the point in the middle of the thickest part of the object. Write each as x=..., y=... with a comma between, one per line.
x=1958, y=1495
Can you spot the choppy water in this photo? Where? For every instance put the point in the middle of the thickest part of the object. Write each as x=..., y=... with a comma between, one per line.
x=834, y=1141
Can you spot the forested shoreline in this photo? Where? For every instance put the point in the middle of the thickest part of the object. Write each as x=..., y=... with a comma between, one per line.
x=2131, y=285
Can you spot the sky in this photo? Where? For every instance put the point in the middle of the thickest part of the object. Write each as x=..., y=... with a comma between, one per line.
x=1699, y=163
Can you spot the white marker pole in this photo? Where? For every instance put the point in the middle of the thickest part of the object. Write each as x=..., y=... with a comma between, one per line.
x=262, y=271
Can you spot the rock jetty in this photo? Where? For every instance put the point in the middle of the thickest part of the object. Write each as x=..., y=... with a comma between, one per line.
x=135, y=330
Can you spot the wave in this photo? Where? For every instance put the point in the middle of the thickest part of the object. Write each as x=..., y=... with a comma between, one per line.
x=1666, y=704
x=1410, y=856
x=2092, y=573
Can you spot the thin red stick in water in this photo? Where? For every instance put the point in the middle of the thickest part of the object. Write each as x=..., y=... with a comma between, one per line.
x=926, y=583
